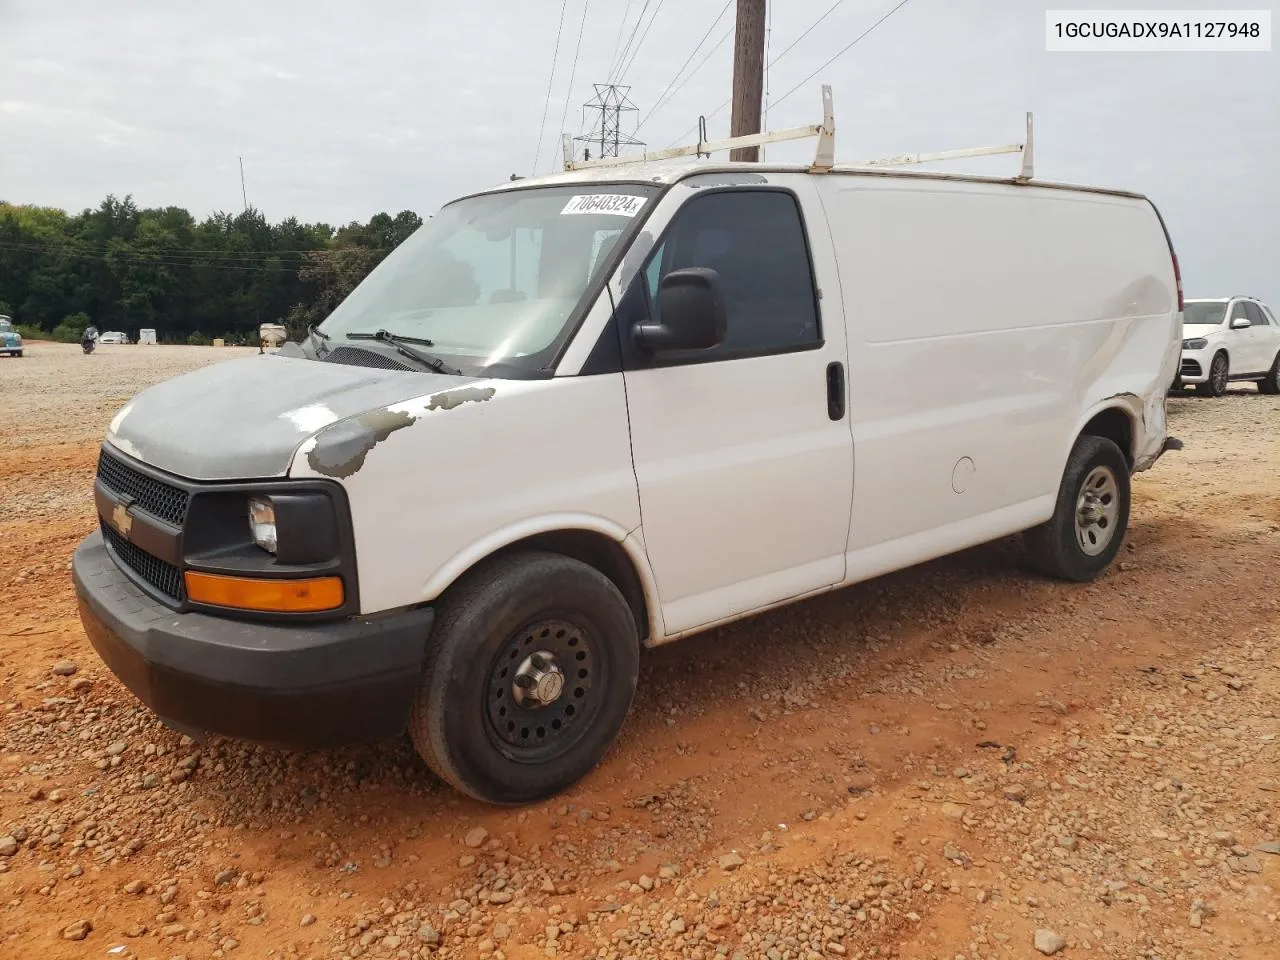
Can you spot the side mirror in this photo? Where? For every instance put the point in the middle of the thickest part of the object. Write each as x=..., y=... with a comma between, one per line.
x=692, y=313
x=1239, y=323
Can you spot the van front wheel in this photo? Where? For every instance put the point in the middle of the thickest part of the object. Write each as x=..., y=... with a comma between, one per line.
x=1090, y=518
x=531, y=669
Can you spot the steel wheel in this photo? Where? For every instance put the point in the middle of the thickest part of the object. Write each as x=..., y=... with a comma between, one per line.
x=1097, y=511
x=530, y=670
x=540, y=691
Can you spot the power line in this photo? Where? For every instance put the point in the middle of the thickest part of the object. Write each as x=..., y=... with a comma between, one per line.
x=194, y=255
x=644, y=36
x=702, y=63
x=768, y=45
x=555, y=55
x=658, y=104
x=617, y=43
x=174, y=251
x=573, y=72
x=635, y=28
x=138, y=259
x=813, y=26
x=865, y=33
x=850, y=46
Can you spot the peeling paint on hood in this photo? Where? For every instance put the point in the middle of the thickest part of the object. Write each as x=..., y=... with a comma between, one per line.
x=245, y=419
x=339, y=450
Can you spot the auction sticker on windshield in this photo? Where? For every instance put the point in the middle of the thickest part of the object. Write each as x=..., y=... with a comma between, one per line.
x=616, y=204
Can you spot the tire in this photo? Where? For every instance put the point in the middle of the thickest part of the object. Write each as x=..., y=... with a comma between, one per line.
x=1216, y=385
x=493, y=739
x=1271, y=382
x=1096, y=478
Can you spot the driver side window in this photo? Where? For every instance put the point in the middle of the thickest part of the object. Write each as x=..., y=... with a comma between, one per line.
x=755, y=241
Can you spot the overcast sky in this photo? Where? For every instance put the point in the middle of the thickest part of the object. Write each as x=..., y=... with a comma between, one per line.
x=341, y=110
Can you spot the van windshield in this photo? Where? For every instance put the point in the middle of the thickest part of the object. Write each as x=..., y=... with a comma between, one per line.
x=1203, y=313
x=492, y=283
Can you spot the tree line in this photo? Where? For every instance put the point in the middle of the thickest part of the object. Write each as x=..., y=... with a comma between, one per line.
x=121, y=267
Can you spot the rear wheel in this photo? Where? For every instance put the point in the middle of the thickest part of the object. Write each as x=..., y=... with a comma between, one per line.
x=531, y=670
x=1091, y=515
x=1216, y=385
x=1271, y=382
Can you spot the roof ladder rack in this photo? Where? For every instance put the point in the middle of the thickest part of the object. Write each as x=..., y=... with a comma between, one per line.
x=823, y=159
x=824, y=156
x=1026, y=148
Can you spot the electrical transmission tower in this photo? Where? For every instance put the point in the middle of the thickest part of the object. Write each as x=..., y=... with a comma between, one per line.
x=606, y=138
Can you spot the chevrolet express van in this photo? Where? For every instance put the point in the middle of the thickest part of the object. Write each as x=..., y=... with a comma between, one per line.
x=577, y=415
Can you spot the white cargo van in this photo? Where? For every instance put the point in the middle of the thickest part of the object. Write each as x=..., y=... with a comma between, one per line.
x=605, y=409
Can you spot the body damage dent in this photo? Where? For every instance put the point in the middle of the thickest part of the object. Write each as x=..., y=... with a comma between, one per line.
x=339, y=450
x=1152, y=442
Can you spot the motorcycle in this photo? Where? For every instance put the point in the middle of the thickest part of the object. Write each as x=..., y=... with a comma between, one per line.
x=89, y=341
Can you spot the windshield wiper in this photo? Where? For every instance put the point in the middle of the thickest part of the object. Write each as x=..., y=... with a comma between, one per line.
x=387, y=335
x=399, y=342
x=318, y=338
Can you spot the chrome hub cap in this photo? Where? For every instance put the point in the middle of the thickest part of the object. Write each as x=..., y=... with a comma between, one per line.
x=1097, y=511
x=538, y=682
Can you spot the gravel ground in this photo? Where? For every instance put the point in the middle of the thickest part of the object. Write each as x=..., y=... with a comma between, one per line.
x=958, y=761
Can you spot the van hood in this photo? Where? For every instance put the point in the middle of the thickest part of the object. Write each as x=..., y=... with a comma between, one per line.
x=244, y=419
x=1192, y=330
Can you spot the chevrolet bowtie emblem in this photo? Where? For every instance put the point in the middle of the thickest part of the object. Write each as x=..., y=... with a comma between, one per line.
x=121, y=520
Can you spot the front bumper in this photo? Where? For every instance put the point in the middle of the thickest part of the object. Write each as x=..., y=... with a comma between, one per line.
x=293, y=685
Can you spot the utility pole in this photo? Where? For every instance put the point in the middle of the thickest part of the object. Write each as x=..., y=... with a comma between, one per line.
x=748, y=75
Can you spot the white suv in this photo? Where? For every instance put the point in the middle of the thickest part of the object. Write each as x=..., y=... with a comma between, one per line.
x=1231, y=338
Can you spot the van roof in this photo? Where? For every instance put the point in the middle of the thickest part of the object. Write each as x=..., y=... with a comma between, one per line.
x=666, y=172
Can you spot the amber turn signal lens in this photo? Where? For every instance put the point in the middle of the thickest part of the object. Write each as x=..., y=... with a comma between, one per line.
x=270, y=596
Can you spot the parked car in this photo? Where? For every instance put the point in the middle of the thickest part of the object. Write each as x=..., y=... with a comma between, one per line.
x=272, y=334
x=10, y=339
x=1230, y=338
x=577, y=415
x=113, y=336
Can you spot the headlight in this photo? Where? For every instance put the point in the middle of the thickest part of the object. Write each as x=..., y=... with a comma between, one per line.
x=262, y=523
x=1198, y=344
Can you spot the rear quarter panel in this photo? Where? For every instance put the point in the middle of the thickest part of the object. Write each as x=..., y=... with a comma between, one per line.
x=986, y=321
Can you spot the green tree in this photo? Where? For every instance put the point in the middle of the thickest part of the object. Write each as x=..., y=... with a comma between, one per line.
x=124, y=267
